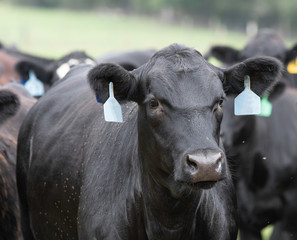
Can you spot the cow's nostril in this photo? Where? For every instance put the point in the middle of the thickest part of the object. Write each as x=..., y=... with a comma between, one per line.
x=193, y=164
x=219, y=164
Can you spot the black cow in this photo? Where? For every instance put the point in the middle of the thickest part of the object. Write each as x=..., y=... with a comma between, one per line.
x=162, y=174
x=15, y=102
x=49, y=71
x=15, y=65
x=264, y=149
x=129, y=60
x=265, y=43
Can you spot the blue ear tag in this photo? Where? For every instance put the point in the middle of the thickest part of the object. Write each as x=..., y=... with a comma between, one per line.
x=247, y=102
x=34, y=85
x=112, y=109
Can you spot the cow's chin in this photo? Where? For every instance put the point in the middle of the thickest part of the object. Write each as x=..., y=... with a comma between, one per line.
x=185, y=188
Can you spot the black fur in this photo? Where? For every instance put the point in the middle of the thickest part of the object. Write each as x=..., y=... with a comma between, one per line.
x=124, y=82
x=9, y=104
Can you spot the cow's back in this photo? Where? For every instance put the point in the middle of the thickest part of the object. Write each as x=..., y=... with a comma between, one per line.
x=63, y=135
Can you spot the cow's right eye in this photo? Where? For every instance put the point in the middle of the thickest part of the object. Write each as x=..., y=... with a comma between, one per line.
x=154, y=103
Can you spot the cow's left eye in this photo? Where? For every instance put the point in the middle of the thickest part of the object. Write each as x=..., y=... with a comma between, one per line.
x=154, y=103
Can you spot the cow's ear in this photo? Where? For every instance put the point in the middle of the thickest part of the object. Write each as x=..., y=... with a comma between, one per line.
x=291, y=54
x=124, y=83
x=43, y=74
x=225, y=54
x=263, y=73
x=9, y=104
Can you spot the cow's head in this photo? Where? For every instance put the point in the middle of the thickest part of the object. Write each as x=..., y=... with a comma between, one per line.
x=48, y=71
x=265, y=43
x=180, y=96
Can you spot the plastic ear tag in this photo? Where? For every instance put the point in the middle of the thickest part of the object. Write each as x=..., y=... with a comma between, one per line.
x=112, y=109
x=292, y=67
x=34, y=85
x=247, y=102
x=63, y=70
x=266, y=106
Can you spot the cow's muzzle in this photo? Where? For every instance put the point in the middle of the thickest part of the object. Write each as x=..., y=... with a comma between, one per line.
x=204, y=166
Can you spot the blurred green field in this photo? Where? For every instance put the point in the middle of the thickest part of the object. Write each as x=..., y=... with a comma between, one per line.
x=54, y=32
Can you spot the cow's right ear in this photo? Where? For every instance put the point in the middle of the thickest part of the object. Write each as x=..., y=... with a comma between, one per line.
x=124, y=83
x=225, y=54
x=9, y=104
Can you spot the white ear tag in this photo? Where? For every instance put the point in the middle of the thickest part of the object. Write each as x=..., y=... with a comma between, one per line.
x=34, y=85
x=112, y=109
x=247, y=102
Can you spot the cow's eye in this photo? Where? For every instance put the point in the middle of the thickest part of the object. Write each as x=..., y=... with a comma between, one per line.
x=220, y=103
x=154, y=103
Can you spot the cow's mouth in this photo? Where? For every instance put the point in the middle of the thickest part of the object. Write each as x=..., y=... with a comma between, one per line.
x=200, y=185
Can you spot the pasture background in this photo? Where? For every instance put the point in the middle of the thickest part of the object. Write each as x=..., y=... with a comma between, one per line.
x=55, y=32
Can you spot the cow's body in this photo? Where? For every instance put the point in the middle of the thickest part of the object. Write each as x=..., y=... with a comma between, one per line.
x=265, y=150
x=139, y=179
x=15, y=102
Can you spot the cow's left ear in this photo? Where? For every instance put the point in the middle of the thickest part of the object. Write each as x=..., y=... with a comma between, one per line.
x=263, y=73
x=125, y=84
x=9, y=104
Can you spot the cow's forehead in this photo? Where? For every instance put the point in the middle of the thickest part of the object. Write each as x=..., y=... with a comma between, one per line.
x=184, y=80
x=265, y=43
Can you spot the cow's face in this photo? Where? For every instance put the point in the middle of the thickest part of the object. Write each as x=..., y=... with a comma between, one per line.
x=180, y=110
x=179, y=118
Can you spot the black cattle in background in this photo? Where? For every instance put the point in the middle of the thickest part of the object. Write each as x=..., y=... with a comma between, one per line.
x=263, y=148
x=264, y=151
x=266, y=42
x=15, y=102
x=15, y=65
x=162, y=174
x=49, y=71
x=129, y=60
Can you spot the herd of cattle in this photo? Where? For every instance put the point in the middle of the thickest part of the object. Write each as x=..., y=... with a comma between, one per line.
x=176, y=168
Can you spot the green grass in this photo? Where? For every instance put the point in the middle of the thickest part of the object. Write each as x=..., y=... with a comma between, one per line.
x=54, y=32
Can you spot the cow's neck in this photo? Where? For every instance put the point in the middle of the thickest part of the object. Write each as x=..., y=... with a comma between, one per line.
x=168, y=212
